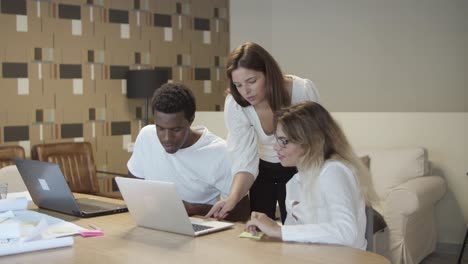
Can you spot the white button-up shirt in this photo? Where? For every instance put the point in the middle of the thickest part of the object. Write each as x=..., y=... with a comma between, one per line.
x=330, y=211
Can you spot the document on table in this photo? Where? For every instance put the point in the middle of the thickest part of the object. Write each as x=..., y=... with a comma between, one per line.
x=13, y=204
x=24, y=230
x=21, y=194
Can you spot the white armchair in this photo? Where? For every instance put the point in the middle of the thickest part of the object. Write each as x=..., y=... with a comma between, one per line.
x=408, y=195
x=11, y=175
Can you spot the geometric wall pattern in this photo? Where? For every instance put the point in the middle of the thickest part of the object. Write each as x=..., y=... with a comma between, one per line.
x=64, y=62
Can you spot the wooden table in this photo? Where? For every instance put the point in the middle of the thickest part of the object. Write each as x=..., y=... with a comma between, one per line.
x=124, y=242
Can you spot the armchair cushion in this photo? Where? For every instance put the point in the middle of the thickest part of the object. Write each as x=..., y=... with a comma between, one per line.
x=392, y=167
x=415, y=194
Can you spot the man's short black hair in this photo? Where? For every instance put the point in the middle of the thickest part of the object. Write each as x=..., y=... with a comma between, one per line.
x=172, y=98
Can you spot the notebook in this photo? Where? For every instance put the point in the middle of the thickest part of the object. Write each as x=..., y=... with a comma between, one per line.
x=157, y=205
x=49, y=190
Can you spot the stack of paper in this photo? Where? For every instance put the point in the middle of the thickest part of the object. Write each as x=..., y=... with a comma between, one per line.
x=21, y=194
x=14, y=204
x=22, y=230
x=11, y=248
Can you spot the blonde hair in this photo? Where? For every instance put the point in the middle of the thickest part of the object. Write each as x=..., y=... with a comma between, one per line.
x=312, y=127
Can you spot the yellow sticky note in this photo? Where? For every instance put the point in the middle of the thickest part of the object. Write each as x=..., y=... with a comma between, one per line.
x=258, y=236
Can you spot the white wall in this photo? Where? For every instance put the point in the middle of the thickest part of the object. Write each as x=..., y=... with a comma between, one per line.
x=367, y=55
x=252, y=18
x=378, y=65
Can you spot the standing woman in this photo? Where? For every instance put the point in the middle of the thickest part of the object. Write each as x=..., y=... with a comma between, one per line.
x=258, y=88
x=326, y=199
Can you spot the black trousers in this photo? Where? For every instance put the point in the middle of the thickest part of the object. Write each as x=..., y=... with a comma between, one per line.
x=269, y=188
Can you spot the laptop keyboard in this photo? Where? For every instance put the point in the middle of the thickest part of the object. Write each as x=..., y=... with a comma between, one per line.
x=197, y=228
x=91, y=208
x=92, y=205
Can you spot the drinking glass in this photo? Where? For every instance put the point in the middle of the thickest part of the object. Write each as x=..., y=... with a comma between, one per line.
x=3, y=190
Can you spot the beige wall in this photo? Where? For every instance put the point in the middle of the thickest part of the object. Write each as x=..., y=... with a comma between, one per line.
x=252, y=19
x=393, y=73
x=367, y=55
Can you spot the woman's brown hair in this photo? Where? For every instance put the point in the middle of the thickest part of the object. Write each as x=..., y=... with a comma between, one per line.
x=253, y=57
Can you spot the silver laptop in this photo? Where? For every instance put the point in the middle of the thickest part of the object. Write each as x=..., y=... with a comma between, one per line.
x=49, y=190
x=156, y=205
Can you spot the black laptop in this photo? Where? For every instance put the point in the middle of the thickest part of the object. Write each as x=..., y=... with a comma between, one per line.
x=49, y=190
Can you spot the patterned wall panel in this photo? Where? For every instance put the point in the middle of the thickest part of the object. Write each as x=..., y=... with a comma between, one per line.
x=64, y=62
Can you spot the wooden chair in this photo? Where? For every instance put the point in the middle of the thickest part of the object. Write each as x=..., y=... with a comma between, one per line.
x=76, y=161
x=8, y=154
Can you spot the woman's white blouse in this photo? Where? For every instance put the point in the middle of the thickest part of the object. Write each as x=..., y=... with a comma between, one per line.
x=247, y=142
x=331, y=212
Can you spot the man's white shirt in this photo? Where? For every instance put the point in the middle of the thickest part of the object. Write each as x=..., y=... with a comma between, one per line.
x=200, y=172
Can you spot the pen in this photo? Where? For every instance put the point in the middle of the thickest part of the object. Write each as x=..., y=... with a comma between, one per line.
x=94, y=227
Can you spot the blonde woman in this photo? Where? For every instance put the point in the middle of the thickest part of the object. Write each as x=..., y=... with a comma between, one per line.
x=326, y=199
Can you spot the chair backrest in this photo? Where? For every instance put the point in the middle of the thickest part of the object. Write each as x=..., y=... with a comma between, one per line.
x=9, y=153
x=375, y=223
x=11, y=175
x=391, y=167
x=369, y=228
x=76, y=162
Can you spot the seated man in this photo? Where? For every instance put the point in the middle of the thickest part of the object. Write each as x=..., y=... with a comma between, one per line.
x=192, y=158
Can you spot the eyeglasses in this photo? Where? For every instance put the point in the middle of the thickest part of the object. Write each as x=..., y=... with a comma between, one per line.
x=282, y=141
